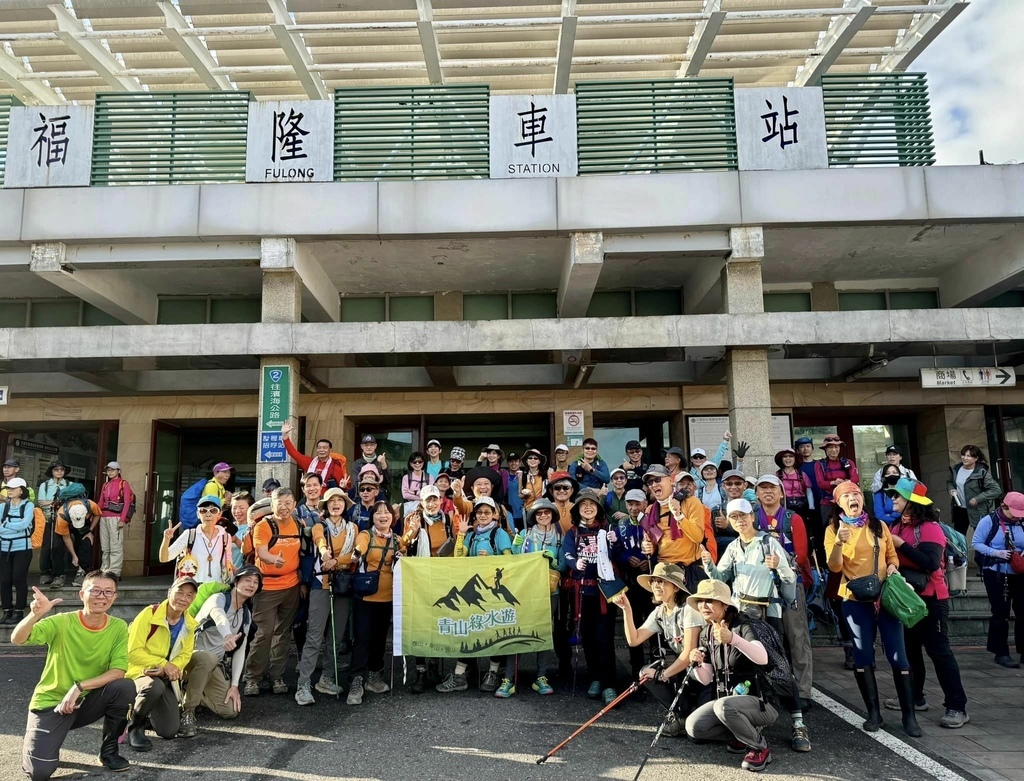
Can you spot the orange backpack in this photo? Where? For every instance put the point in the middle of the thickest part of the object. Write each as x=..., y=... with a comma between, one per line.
x=38, y=528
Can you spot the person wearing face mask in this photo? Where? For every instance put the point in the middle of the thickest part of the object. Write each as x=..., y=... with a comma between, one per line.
x=332, y=467
x=997, y=537
x=160, y=644
x=860, y=549
x=921, y=546
x=883, y=501
x=586, y=549
x=972, y=489
x=893, y=457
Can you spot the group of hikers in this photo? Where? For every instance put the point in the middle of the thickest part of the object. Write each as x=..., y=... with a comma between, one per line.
x=711, y=570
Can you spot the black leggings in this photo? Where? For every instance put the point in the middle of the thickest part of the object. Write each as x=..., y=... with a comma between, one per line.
x=14, y=578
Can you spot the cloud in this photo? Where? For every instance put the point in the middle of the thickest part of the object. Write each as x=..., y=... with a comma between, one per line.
x=976, y=82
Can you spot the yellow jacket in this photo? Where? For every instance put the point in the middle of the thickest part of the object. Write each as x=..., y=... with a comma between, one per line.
x=149, y=641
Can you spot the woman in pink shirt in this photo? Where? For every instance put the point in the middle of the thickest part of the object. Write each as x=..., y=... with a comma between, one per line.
x=117, y=502
x=921, y=545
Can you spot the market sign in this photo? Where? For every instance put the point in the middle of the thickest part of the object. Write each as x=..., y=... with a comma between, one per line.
x=969, y=377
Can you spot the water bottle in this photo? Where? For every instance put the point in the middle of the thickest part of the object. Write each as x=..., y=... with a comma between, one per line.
x=742, y=689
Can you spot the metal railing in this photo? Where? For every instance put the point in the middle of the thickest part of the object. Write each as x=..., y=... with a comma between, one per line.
x=170, y=137
x=421, y=132
x=6, y=101
x=626, y=127
x=878, y=119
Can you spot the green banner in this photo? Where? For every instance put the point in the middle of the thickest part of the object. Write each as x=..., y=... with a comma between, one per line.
x=480, y=606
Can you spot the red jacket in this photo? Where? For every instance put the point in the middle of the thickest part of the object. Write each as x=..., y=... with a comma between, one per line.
x=116, y=490
x=335, y=466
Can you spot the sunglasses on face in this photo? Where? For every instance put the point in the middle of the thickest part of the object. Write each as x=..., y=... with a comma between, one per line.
x=208, y=510
x=367, y=490
x=562, y=488
x=698, y=458
x=414, y=463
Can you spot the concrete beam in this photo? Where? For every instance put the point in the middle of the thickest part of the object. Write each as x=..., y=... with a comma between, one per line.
x=29, y=90
x=580, y=271
x=566, y=46
x=948, y=329
x=703, y=37
x=428, y=41
x=702, y=293
x=694, y=243
x=113, y=292
x=204, y=254
x=839, y=34
x=295, y=50
x=191, y=48
x=1003, y=264
x=320, y=299
x=442, y=376
x=93, y=53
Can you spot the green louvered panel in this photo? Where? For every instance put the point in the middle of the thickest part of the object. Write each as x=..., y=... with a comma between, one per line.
x=422, y=132
x=170, y=137
x=626, y=127
x=878, y=119
x=6, y=101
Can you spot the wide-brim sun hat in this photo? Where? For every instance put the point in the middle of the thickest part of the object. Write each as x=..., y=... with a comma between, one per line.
x=55, y=464
x=534, y=452
x=714, y=590
x=671, y=572
x=782, y=453
x=485, y=472
x=593, y=496
x=559, y=477
x=336, y=493
x=541, y=504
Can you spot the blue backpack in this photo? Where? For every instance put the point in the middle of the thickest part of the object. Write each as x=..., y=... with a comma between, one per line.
x=188, y=509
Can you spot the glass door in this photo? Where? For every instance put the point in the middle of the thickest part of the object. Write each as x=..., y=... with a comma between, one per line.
x=397, y=444
x=1005, y=428
x=163, y=490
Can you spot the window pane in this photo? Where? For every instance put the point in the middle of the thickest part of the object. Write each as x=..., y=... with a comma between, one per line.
x=1007, y=299
x=54, y=313
x=485, y=306
x=849, y=302
x=411, y=308
x=787, y=302
x=93, y=316
x=913, y=299
x=181, y=311
x=532, y=305
x=362, y=310
x=658, y=302
x=13, y=314
x=610, y=304
x=235, y=310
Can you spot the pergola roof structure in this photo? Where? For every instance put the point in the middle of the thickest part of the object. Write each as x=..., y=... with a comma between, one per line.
x=52, y=52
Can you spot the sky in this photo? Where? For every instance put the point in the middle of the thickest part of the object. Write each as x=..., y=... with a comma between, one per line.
x=976, y=83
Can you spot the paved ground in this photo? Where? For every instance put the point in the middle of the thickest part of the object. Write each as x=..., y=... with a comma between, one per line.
x=472, y=736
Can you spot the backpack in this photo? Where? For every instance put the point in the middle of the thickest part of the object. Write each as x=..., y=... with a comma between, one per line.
x=955, y=547
x=188, y=509
x=493, y=535
x=982, y=559
x=34, y=533
x=305, y=542
x=778, y=671
x=72, y=492
x=225, y=595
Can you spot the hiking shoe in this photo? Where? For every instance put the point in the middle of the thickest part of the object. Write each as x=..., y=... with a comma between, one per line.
x=252, y=688
x=954, y=719
x=57, y=582
x=453, y=683
x=79, y=578
x=757, y=759
x=541, y=686
x=326, y=685
x=1006, y=661
x=355, y=691
x=609, y=695
x=893, y=703
x=304, y=694
x=490, y=682
x=279, y=686
x=673, y=726
x=188, y=727
x=801, y=740
x=594, y=691
x=506, y=690
x=8, y=618
x=420, y=684
x=375, y=683
x=45, y=580
x=736, y=747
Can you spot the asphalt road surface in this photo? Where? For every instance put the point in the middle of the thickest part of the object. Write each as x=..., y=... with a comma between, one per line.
x=435, y=737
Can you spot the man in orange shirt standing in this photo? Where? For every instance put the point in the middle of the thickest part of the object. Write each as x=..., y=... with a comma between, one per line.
x=277, y=542
x=674, y=530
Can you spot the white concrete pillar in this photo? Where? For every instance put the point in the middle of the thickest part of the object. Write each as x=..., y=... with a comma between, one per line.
x=580, y=272
x=111, y=290
x=319, y=297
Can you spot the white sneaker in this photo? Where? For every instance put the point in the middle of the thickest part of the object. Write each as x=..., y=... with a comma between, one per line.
x=355, y=691
x=304, y=694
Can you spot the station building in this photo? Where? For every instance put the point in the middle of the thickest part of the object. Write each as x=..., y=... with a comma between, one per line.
x=736, y=223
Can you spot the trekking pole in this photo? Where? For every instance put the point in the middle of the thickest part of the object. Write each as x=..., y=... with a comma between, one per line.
x=334, y=646
x=657, y=735
x=632, y=688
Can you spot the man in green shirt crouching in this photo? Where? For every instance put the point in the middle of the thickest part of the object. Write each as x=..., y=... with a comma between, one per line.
x=83, y=678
